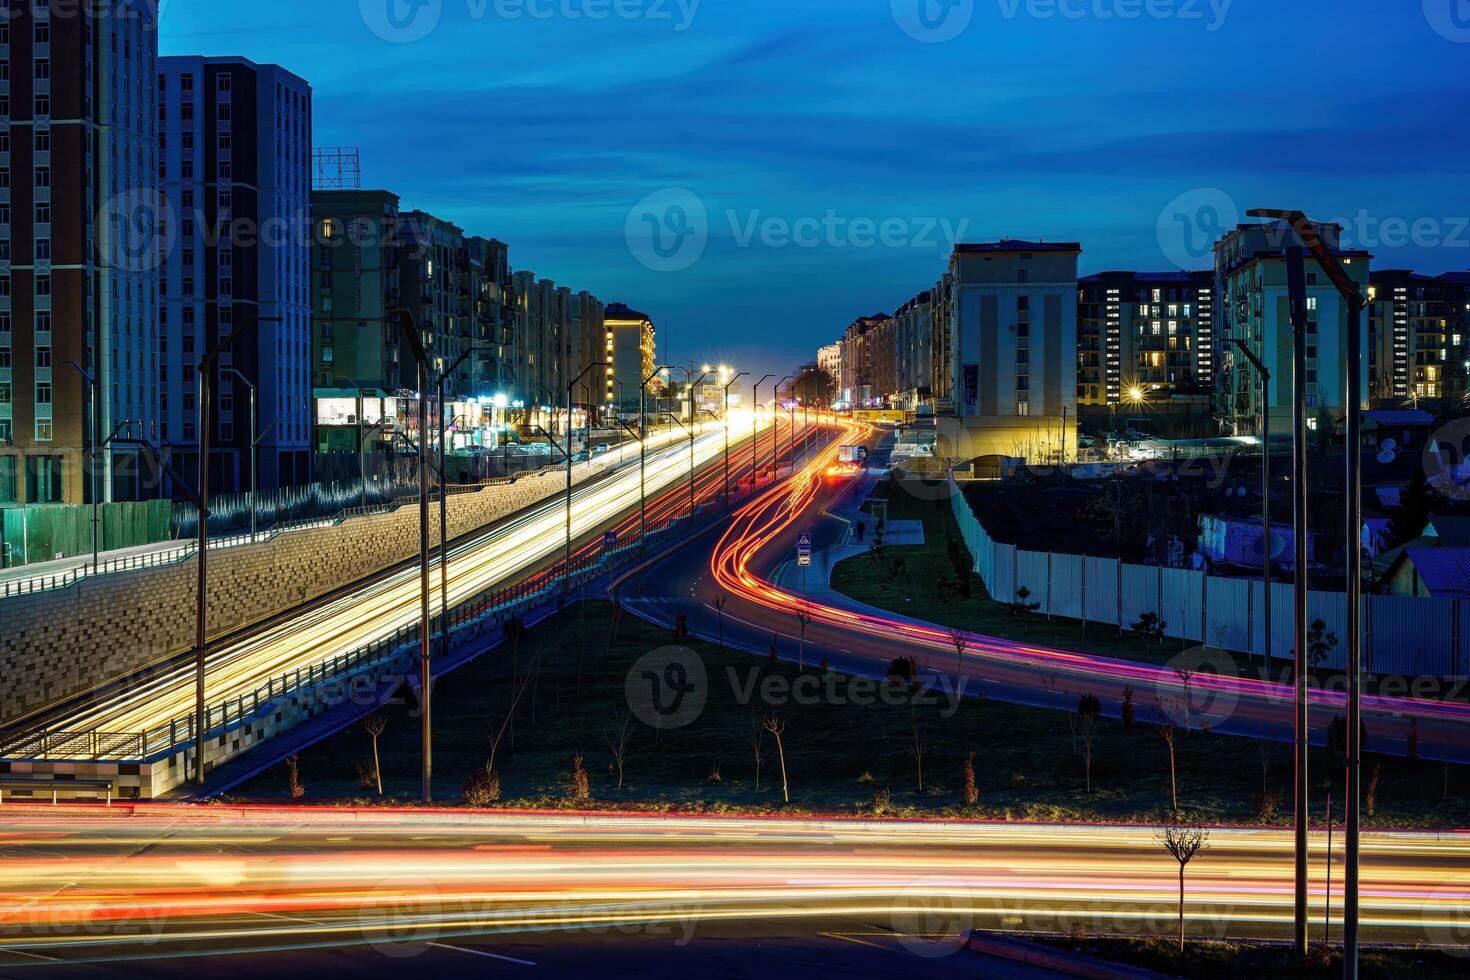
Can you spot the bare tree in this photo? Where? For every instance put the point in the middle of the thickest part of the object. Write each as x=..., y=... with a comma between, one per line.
x=757, y=739
x=972, y=791
x=917, y=746
x=520, y=684
x=293, y=777
x=581, y=789
x=720, y=617
x=1167, y=732
x=375, y=724
x=804, y=618
x=617, y=741
x=1089, y=711
x=1183, y=839
x=777, y=727
x=1185, y=703
x=961, y=642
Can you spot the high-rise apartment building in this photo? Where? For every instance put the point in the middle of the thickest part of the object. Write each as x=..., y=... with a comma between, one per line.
x=1251, y=304
x=1013, y=365
x=1417, y=341
x=80, y=230
x=234, y=164
x=630, y=352
x=1140, y=332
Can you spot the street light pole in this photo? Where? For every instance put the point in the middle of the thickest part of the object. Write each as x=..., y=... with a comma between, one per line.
x=776, y=427
x=675, y=421
x=416, y=347
x=727, y=436
x=93, y=450
x=692, y=426
x=201, y=603
x=1265, y=374
x=256, y=438
x=1309, y=237
x=755, y=429
x=643, y=459
x=570, y=388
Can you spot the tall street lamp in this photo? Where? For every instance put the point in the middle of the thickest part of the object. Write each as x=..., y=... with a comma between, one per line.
x=776, y=427
x=674, y=419
x=1309, y=235
x=206, y=370
x=256, y=438
x=94, y=448
x=693, y=419
x=410, y=333
x=570, y=388
x=643, y=458
x=443, y=501
x=1265, y=374
x=733, y=380
x=755, y=429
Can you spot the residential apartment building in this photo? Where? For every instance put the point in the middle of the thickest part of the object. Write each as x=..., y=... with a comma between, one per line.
x=913, y=347
x=1142, y=332
x=1252, y=305
x=1417, y=342
x=80, y=227
x=234, y=164
x=359, y=361
x=630, y=349
x=493, y=367
x=869, y=362
x=829, y=362
x=1013, y=364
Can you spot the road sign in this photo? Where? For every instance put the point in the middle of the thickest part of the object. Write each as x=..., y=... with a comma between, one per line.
x=610, y=539
x=803, y=550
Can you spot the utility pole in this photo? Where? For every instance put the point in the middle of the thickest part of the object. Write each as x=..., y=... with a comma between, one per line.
x=201, y=594
x=256, y=438
x=570, y=388
x=776, y=428
x=1265, y=375
x=694, y=386
x=416, y=347
x=727, y=436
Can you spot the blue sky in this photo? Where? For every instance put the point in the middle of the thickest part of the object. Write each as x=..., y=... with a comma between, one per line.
x=802, y=162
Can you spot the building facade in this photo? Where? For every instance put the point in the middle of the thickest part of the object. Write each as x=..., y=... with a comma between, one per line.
x=1013, y=365
x=1417, y=343
x=80, y=230
x=1252, y=305
x=234, y=165
x=631, y=349
x=1142, y=332
x=913, y=328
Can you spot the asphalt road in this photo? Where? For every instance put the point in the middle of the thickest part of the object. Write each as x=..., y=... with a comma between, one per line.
x=297, y=889
x=750, y=564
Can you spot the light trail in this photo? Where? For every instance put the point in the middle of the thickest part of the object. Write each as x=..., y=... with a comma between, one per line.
x=392, y=603
x=1231, y=699
x=153, y=878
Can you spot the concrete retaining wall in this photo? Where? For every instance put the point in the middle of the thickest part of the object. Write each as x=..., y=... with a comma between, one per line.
x=61, y=643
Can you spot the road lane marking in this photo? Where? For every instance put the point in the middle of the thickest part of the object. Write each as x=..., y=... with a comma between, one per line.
x=481, y=952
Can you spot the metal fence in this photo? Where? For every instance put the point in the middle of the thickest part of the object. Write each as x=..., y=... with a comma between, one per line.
x=1402, y=635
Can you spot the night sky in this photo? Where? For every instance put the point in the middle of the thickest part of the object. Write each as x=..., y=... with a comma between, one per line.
x=807, y=161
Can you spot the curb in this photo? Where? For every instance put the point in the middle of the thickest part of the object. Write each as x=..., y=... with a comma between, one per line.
x=1057, y=960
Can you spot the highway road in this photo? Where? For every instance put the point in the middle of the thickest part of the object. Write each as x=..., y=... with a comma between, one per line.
x=744, y=560
x=532, y=540
x=148, y=881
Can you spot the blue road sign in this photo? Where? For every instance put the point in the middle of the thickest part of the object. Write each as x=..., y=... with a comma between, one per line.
x=610, y=539
x=804, y=549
